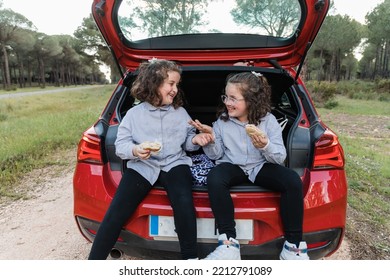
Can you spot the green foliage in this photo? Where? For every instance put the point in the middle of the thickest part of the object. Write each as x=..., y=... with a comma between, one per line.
x=323, y=93
x=262, y=14
x=167, y=17
x=375, y=62
x=333, y=47
x=383, y=85
x=330, y=104
x=33, y=55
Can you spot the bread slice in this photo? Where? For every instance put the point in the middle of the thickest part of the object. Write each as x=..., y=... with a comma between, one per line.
x=251, y=129
x=153, y=147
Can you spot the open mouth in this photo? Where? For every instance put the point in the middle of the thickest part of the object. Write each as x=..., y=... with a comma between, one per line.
x=230, y=109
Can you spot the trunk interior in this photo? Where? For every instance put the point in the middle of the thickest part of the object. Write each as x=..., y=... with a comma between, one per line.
x=202, y=87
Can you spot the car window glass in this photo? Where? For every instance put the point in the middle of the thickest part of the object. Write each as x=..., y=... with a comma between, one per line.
x=141, y=19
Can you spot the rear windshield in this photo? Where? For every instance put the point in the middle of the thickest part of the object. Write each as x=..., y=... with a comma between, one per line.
x=142, y=19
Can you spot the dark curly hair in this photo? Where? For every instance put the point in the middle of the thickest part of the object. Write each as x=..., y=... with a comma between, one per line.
x=256, y=92
x=151, y=76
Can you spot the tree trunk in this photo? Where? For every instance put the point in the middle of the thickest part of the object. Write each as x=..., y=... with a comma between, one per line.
x=7, y=75
x=332, y=67
x=56, y=75
x=42, y=72
x=386, y=60
x=376, y=63
x=22, y=78
x=320, y=69
x=338, y=65
x=381, y=58
x=62, y=74
x=3, y=76
x=29, y=78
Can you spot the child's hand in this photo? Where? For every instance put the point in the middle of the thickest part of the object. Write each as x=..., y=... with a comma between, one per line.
x=203, y=139
x=259, y=141
x=201, y=127
x=141, y=153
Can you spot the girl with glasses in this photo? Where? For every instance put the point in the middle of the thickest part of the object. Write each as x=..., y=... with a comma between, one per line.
x=258, y=158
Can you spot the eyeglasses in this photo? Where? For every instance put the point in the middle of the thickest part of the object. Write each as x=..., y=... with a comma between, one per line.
x=226, y=98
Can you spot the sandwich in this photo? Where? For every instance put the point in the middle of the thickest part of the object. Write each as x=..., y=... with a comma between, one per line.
x=153, y=147
x=251, y=129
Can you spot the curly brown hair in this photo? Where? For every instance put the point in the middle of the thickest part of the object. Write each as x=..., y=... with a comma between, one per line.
x=151, y=76
x=256, y=91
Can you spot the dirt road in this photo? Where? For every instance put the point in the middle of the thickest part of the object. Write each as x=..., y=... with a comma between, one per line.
x=43, y=91
x=42, y=227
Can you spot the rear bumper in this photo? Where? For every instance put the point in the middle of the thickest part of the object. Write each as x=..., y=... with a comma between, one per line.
x=139, y=247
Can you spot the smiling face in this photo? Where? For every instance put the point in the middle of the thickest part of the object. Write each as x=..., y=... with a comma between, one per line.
x=168, y=90
x=235, y=103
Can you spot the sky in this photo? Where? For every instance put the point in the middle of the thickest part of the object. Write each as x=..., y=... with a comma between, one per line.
x=54, y=17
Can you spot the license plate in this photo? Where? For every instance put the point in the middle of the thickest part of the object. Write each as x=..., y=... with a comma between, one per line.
x=163, y=228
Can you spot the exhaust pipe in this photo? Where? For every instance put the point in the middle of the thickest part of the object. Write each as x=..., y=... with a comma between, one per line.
x=116, y=253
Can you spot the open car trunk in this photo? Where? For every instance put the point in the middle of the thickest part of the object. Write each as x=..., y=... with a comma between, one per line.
x=202, y=87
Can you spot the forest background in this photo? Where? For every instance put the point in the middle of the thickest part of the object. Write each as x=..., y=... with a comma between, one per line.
x=29, y=57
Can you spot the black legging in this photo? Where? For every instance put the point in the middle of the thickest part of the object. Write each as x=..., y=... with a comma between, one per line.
x=271, y=176
x=132, y=189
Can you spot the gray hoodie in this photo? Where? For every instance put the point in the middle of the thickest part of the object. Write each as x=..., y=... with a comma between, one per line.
x=232, y=144
x=166, y=125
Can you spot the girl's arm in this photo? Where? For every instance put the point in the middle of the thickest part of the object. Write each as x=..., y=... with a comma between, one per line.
x=124, y=143
x=215, y=149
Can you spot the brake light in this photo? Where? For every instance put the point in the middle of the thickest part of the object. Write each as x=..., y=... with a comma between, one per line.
x=89, y=148
x=328, y=153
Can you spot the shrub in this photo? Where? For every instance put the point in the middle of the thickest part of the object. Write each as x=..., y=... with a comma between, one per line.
x=383, y=85
x=331, y=104
x=322, y=92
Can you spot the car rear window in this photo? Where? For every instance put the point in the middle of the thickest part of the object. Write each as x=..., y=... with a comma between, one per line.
x=140, y=20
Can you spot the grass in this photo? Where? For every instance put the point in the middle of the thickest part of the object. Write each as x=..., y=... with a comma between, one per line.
x=367, y=168
x=33, y=127
x=361, y=107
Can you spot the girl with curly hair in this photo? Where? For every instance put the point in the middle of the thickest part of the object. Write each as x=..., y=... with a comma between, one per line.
x=158, y=119
x=255, y=156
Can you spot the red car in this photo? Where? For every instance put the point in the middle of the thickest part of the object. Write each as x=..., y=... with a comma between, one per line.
x=271, y=37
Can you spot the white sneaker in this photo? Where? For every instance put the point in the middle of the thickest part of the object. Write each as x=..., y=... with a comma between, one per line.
x=291, y=252
x=226, y=250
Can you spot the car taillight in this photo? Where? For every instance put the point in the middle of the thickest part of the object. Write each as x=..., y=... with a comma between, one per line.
x=328, y=152
x=89, y=148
